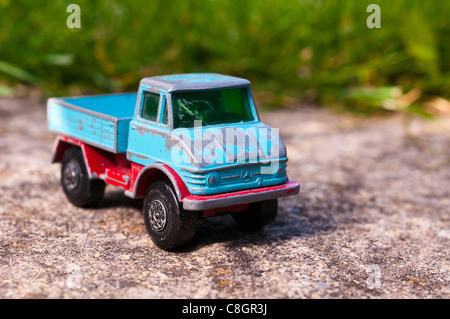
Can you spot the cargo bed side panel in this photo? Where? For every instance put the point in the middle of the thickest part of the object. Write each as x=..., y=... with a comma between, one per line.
x=84, y=127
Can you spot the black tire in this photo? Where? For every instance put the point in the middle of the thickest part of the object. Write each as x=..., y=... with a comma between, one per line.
x=80, y=190
x=258, y=215
x=167, y=223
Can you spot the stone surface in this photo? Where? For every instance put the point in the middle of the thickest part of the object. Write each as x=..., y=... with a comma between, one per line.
x=371, y=221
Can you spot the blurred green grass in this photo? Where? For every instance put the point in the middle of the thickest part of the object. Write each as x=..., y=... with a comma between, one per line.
x=306, y=50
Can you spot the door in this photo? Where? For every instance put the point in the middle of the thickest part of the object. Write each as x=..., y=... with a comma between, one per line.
x=148, y=129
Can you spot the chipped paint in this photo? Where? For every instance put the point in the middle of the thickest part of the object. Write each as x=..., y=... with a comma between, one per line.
x=131, y=155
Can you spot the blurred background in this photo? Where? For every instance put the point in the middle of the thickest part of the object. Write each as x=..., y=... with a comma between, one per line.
x=304, y=51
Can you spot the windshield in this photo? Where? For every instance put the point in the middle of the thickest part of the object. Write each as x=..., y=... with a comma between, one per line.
x=211, y=107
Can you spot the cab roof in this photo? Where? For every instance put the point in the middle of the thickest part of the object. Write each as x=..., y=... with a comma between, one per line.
x=194, y=81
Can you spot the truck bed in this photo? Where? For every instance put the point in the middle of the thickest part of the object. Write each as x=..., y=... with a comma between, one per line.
x=101, y=120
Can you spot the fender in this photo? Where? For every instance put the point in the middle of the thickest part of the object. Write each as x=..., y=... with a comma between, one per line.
x=153, y=172
x=61, y=144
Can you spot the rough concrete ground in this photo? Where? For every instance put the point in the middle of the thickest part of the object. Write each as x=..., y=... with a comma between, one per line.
x=371, y=221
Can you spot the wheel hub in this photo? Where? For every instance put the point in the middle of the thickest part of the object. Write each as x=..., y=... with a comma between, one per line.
x=158, y=215
x=71, y=176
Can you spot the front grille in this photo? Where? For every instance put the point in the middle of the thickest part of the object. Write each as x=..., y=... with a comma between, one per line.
x=234, y=176
x=242, y=177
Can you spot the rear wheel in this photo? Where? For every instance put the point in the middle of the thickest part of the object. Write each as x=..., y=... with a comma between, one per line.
x=167, y=223
x=258, y=214
x=79, y=189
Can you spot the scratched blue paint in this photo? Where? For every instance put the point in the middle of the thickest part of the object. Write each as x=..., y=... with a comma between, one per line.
x=146, y=148
x=143, y=87
x=82, y=126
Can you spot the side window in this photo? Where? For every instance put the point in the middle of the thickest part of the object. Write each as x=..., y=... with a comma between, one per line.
x=150, y=106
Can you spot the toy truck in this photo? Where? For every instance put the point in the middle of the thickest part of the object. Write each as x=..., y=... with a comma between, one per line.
x=190, y=145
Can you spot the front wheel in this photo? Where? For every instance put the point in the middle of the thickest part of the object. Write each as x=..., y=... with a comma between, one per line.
x=258, y=214
x=167, y=223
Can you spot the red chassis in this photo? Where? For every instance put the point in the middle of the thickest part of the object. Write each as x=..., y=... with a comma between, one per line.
x=115, y=169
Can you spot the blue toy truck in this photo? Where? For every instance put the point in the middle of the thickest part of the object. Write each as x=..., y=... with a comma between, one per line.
x=191, y=145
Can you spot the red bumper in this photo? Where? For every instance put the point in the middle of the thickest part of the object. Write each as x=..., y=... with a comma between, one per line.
x=198, y=202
